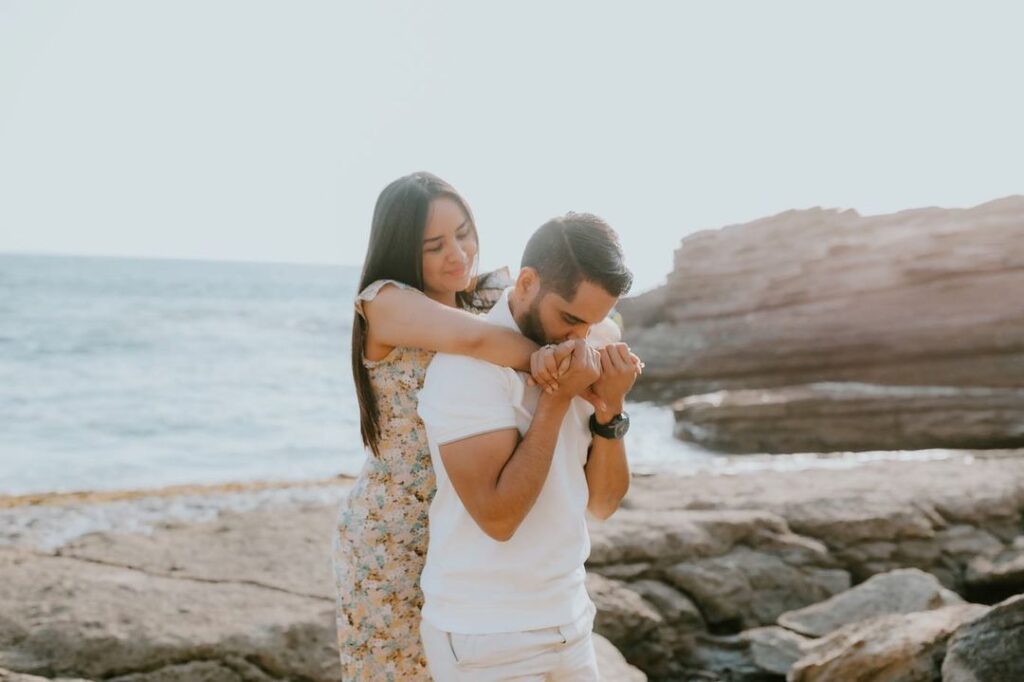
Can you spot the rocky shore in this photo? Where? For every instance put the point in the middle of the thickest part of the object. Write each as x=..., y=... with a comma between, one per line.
x=886, y=571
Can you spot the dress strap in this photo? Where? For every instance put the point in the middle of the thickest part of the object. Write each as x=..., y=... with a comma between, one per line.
x=370, y=292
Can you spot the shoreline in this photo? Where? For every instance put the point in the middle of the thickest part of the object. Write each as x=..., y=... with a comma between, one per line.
x=47, y=521
x=57, y=498
x=723, y=464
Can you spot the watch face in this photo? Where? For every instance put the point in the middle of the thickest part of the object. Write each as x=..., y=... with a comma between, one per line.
x=616, y=428
x=621, y=425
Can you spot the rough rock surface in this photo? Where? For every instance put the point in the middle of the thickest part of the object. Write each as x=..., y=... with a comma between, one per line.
x=989, y=649
x=902, y=591
x=831, y=417
x=896, y=648
x=73, y=617
x=9, y=676
x=917, y=298
x=690, y=576
x=245, y=597
x=937, y=516
x=693, y=568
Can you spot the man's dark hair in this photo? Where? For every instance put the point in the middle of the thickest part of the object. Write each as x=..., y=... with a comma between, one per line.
x=576, y=247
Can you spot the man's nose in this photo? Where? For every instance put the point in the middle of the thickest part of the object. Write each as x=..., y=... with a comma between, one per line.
x=579, y=332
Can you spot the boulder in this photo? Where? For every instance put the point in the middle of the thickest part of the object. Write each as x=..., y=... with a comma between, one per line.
x=746, y=588
x=740, y=569
x=900, y=591
x=623, y=616
x=895, y=648
x=989, y=649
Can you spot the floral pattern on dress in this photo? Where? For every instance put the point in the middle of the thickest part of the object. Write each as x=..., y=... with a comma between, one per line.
x=381, y=541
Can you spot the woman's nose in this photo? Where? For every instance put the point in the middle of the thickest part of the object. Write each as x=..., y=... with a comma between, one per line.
x=457, y=254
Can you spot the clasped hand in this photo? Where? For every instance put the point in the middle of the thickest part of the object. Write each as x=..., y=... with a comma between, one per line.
x=603, y=376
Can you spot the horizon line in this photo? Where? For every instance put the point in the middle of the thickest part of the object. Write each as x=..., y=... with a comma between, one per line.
x=204, y=259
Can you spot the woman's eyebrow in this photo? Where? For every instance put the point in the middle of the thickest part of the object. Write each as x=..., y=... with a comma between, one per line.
x=434, y=239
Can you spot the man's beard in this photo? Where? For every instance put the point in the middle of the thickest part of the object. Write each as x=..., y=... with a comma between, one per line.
x=530, y=324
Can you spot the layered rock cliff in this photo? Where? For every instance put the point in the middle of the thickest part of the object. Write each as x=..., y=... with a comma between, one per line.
x=921, y=298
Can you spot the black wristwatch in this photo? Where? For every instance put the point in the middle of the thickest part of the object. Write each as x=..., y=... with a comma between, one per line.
x=614, y=429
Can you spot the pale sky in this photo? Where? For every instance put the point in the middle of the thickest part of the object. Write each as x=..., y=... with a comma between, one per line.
x=265, y=130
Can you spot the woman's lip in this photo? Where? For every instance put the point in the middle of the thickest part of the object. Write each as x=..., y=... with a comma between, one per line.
x=456, y=273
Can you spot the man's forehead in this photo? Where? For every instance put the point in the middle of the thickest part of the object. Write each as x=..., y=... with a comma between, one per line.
x=590, y=304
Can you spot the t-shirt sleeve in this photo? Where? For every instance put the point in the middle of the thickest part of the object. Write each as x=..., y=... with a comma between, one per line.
x=464, y=397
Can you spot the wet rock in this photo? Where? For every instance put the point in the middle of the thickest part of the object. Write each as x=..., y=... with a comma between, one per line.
x=901, y=591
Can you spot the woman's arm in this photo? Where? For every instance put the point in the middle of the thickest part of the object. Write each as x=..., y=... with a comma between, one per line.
x=403, y=317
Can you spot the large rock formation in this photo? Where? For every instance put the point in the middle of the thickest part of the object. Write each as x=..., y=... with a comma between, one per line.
x=926, y=297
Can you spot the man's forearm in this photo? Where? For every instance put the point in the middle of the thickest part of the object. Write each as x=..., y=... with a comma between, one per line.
x=607, y=473
x=522, y=478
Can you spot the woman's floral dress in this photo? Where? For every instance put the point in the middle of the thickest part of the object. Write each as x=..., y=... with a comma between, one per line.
x=381, y=540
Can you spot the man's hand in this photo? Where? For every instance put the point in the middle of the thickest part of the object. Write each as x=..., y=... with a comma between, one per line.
x=619, y=370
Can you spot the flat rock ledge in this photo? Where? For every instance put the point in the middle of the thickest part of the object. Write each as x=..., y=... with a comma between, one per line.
x=847, y=416
x=746, y=577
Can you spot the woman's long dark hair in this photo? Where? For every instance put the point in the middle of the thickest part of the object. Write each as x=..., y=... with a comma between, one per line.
x=395, y=252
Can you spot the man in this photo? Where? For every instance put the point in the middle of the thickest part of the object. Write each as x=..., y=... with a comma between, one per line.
x=518, y=468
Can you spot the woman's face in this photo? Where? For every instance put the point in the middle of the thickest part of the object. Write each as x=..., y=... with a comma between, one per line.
x=449, y=248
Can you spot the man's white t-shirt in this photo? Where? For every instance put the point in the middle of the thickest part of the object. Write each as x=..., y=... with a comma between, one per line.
x=473, y=584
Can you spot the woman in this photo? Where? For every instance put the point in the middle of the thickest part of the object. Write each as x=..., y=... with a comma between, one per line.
x=416, y=292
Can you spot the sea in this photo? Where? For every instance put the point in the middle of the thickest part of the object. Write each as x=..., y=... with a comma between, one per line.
x=128, y=373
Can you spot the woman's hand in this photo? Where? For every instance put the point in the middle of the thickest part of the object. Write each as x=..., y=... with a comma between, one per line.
x=549, y=363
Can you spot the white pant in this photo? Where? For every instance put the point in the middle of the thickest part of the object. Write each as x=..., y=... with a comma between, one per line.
x=564, y=654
